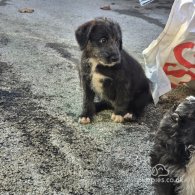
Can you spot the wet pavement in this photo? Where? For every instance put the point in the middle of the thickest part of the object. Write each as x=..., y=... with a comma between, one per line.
x=43, y=149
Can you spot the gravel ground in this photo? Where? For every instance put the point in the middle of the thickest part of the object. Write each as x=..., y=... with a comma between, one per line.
x=43, y=150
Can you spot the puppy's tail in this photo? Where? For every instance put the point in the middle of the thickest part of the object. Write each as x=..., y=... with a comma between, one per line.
x=100, y=106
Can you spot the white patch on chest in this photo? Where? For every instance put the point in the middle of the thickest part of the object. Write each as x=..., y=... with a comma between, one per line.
x=97, y=79
x=188, y=178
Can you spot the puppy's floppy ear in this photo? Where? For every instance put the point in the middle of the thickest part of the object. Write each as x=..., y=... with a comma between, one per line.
x=121, y=44
x=83, y=32
x=119, y=34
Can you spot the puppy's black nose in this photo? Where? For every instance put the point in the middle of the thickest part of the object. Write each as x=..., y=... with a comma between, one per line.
x=114, y=58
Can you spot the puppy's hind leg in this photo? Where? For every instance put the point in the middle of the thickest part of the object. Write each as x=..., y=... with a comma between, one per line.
x=120, y=106
x=140, y=103
x=120, y=112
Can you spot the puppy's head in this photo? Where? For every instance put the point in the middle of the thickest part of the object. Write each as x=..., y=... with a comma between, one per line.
x=182, y=121
x=102, y=40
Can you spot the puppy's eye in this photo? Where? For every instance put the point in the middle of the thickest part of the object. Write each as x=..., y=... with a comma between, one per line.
x=103, y=40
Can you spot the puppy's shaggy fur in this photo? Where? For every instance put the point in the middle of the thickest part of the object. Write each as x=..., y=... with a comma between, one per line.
x=109, y=72
x=174, y=149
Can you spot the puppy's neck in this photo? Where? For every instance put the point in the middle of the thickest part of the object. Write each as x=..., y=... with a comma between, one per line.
x=94, y=62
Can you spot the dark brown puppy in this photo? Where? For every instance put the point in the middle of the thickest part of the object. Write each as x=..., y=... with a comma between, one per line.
x=173, y=153
x=109, y=72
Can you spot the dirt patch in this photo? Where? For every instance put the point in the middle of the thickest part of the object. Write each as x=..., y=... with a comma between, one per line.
x=3, y=2
x=3, y=66
x=65, y=51
x=138, y=14
x=4, y=40
x=61, y=49
x=175, y=96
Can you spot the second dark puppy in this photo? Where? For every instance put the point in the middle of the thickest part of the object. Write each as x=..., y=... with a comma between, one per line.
x=109, y=72
x=173, y=153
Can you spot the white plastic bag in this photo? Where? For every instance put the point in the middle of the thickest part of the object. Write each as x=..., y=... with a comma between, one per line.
x=173, y=52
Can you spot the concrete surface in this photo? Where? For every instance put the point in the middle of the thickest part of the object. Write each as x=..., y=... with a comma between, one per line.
x=43, y=150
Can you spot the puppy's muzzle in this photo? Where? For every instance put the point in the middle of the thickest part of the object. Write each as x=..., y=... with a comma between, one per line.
x=114, y=58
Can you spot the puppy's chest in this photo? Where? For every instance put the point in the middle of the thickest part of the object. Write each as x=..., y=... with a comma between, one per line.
x=102, y=82
x=98, y=83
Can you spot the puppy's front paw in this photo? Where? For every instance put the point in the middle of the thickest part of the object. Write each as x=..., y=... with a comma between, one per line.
x=84, y=120
x=128, y=116
x=117, y=118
